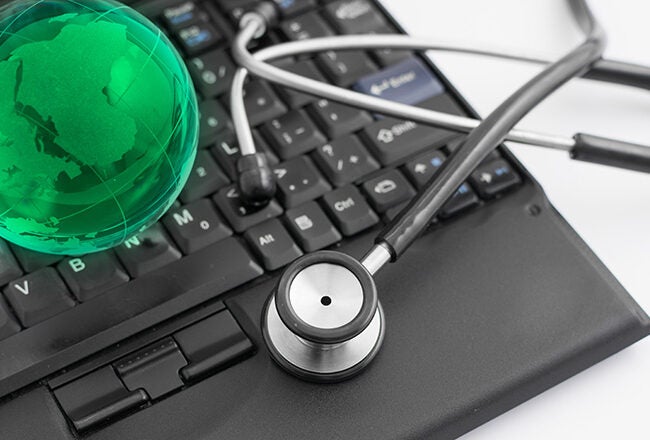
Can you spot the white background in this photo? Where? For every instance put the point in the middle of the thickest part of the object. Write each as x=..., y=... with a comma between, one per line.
x=609, y=208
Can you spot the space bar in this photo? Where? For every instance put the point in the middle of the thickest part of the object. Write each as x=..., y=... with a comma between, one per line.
x=105, y=320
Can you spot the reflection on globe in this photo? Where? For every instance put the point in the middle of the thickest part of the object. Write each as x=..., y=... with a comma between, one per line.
x=98, y=124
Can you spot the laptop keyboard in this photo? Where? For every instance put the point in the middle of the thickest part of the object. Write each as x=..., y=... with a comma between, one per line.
x=340, y=171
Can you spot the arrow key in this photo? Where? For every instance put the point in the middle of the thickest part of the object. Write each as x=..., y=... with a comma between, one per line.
x=38, y=296
x=422, y=169
x=493, y=178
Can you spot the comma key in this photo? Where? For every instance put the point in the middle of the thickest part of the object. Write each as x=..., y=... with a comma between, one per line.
x=349, y=210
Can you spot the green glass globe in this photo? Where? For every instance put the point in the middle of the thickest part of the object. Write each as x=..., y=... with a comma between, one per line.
x=98, y=124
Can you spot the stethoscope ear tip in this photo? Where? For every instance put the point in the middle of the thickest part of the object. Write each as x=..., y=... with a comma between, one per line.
x=256, y=181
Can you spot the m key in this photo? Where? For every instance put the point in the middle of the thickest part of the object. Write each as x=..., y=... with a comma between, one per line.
x=196, y=226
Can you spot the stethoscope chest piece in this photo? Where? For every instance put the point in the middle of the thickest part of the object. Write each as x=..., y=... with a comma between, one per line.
x=324, y=322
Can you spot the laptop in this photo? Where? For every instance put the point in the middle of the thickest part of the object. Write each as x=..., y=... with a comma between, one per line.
x=161, y=337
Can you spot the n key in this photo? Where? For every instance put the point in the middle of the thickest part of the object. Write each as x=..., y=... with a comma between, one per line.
x=38, y=296
x=147, y=251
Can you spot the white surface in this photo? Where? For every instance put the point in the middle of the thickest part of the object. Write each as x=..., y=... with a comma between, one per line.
x=609, y=208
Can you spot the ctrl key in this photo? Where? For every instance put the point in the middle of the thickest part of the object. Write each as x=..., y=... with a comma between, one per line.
x=349, y=210
x=96, y=398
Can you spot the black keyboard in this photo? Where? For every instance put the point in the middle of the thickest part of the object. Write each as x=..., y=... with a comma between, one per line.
x=341, y=171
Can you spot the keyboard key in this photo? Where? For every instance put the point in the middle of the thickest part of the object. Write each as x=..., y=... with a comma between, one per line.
x=337, y=119
x=241, y=216
x=273, y=244
x=97, y=396
x=311, y=227
x=205, y=179
x=408, y=82
x=349, y=210
x=92, y=274
x=9, y=269
x=389, y=57
x=182, y=15
x=38, y=296
x=310, y=25
x=196, y=226
x=198, y=38
x=290, y=8
x=211, y=345
x=462, y=200
x=293, y=134
x=344, y=68
x=424, y=167
x=147, y=251
x=227, y=154
x=32, y=260
x=212, y=73
x=387, y=190
x=493, y=178
x=299, y=181
x=8, y=324
x=392, y=140
x=305, y=68
x=153, y=368
x=215, y=123
x=261, y=102
x=345, y=160
x=355, y=16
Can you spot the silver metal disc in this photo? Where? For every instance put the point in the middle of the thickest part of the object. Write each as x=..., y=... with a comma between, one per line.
x=322, y=359
x=326, y=295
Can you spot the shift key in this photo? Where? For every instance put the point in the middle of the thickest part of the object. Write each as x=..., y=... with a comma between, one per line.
x=392, y=140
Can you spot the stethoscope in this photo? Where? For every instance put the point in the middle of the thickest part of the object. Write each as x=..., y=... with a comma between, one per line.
x=324, y=322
